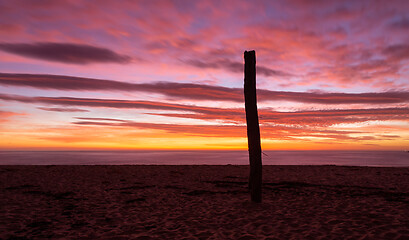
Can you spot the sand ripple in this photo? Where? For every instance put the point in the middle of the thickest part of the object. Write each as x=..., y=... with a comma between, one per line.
x=203, y=202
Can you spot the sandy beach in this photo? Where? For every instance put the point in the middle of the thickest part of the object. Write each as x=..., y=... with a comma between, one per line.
x=203, y=202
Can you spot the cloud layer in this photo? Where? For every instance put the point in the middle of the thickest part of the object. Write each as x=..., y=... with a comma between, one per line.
x=321, y=118
x=197, y=91
x=340, y=43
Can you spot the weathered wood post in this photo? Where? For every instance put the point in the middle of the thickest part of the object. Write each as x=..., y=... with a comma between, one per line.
x=253, y=129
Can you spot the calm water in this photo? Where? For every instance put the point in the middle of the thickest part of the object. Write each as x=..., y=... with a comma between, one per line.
x=349, y=158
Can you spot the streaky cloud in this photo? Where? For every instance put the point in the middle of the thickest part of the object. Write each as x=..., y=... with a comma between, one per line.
x=336, y=98
x=63, y=109
x=317, y=118
x=320, y=118
x=193, y=91
x=282, y=132
x=6, y=115
x=65, y=52
x=101, y=119
x=111, y=103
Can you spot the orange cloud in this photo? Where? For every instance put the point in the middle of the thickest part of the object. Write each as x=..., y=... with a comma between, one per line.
x=5, y=115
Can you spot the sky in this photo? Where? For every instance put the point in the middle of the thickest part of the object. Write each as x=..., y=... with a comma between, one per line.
x=105, y=75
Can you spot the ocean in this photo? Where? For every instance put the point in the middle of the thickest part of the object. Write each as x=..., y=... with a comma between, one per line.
x=342, y=158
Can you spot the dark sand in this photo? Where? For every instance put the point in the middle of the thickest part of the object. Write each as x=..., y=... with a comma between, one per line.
x=203, y=202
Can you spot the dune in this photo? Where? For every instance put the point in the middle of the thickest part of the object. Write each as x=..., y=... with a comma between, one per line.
x=203, y=202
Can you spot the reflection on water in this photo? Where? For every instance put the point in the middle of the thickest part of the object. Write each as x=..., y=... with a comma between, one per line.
x=350, y=158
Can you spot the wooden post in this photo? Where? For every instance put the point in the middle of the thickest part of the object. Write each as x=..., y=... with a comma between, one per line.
x=253, y=130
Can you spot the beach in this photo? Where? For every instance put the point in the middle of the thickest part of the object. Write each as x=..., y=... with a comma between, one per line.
x=203, y=202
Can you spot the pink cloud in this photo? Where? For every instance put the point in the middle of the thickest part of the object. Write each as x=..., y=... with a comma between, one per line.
x=62, y=109
x=320, y=118
x=10, y=28
x=285, y=36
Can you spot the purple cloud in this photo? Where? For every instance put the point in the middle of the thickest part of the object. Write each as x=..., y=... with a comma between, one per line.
x=401, y=24
x=236, y=67
x=397, y=51
x=65, y=52
x=198, y=91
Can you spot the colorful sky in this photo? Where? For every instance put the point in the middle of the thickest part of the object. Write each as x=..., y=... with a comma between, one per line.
x=77, y=75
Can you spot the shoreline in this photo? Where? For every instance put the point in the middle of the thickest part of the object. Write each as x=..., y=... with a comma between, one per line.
x=196, y=165
x=203, y=202
x=281, y=158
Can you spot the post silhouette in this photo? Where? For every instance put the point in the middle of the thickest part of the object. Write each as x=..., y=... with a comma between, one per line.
x=253, y=129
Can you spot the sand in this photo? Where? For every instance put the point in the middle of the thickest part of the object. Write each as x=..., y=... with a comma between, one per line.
x=203, y=202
